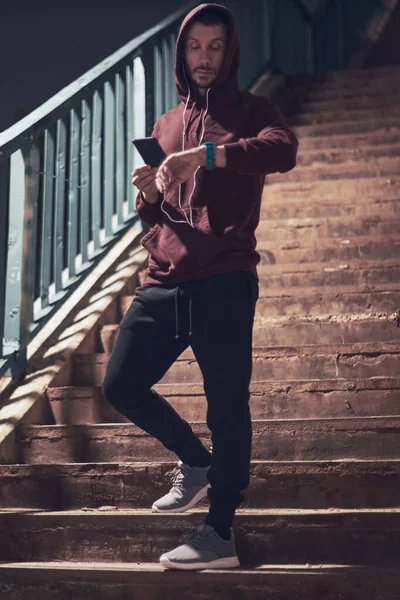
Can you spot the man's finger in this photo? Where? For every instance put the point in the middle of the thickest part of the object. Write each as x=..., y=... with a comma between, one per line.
x=139, y=170
x=141, y=180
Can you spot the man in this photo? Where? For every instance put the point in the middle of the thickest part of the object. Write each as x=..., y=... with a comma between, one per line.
x=201, y=286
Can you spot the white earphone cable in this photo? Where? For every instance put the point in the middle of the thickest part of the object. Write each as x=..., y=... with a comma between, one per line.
x=190, y=221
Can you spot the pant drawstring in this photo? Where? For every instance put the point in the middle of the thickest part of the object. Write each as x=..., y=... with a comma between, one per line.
x=190, y=316
x=176, y=314
x=177, y=336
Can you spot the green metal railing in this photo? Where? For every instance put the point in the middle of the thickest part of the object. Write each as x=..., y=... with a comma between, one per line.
x=65, y=189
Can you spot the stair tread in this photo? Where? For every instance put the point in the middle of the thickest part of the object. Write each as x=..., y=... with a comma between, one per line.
x=17, y=470
x=376, y=382
x=300, y=291
x=241, y=513
x=126, y=428
x=134, y=568
x=352, y=348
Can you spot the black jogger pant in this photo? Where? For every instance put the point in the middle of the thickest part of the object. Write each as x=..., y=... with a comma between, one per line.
x=214, y=316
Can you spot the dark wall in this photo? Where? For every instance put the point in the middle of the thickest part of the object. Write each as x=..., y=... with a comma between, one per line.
x=47, y=44
x=386, y=51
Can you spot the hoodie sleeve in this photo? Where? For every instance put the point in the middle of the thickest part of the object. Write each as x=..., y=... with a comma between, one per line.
x=149, y=213
x=273, y=150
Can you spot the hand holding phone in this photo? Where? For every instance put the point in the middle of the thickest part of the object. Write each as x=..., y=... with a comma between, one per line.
x=144, y=178
x=150, y=150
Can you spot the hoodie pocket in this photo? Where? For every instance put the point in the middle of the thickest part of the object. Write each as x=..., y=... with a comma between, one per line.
x=180, y=248
x=151, y=243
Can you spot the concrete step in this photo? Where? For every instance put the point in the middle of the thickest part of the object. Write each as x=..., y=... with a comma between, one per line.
x=283, y=484
x=111, y=580
x=390, y=73
x=348, y=127
x=277, y=363
x=357, y=273
x=300, y=331
x=285, y=209
x=312, y=229
x=365, y=83
x=308, y=105
x=362, y=167
x=335, y=536
x=319, y=93
x=313, y=301
x=340, y=300
x=338, y=115
x=324, y=329
x=330, y=250
x=350, y=140
x=359, y=191
x=289, y=439
x=331, y=156
x=325, y=398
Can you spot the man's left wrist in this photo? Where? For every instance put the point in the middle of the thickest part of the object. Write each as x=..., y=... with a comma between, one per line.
x=219, y=156
x=202, y=156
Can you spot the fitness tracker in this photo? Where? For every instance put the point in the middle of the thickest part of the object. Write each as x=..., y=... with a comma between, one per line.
x=210, y=155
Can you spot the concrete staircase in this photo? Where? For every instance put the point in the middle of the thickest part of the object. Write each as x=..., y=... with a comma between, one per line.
x=322, y=516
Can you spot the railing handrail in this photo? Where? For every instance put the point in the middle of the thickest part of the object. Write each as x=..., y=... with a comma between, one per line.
x=10, y=138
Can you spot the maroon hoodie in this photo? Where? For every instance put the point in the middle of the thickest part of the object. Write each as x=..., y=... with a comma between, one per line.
x=225, y=206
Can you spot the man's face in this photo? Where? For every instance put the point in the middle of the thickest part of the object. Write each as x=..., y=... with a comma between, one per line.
x=204, y=53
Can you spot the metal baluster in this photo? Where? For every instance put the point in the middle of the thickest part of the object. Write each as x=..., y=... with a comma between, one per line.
x=47, y=218
x=148, y=62
x=120, y=169
x=85, y=179
x=30, y=249
x=167, y=69
x=171, y=71
x=158, y=90
x=4, y=195
x=141, y=97
x=58, y=236
x=73, y=196
x=129, y=136
x=12, y=318
x=96, y=187
x=109, y=160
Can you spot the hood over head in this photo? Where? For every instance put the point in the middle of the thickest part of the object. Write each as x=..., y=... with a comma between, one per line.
x=226, y=82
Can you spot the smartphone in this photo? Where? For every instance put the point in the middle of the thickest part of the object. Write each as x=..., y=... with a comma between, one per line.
x=150, y=150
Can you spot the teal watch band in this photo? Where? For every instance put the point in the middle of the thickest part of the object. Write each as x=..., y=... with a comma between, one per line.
x=210, y=155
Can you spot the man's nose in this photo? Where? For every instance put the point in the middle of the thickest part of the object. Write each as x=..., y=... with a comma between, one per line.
x=204, y=55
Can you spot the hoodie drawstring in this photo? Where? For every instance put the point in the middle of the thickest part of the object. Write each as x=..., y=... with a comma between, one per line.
x=176, y=314
x=185, y=132
x=177, y=336
x=190, y=316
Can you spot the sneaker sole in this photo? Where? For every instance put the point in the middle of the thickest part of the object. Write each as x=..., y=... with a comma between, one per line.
x=199, y=496
x=221, y=563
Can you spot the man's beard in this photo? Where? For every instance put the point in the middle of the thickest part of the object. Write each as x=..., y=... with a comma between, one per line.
x=199, y=86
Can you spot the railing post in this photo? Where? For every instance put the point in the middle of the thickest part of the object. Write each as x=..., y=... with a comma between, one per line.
x=159, y=91
x=59, y=217
x=4, y=206
x=20, y=270
x=47, y=218
x=149, y=74
x=129, y=133
x=267, y=32
x=13, y=279
x=73, y=196
x=29, y=254
x=96, y=187
x=120, y=170
x=84, y=182
x=109, y=159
